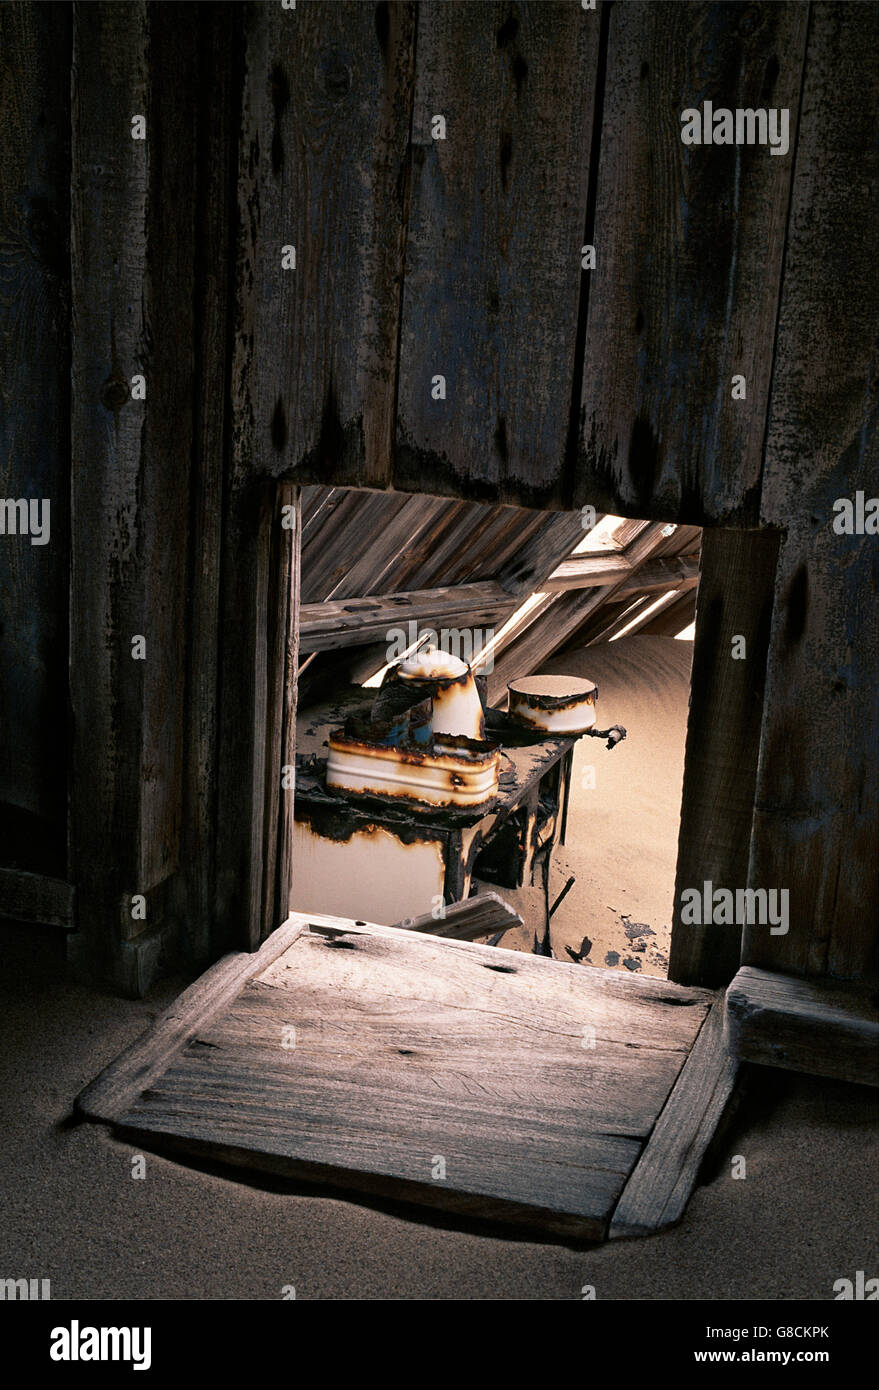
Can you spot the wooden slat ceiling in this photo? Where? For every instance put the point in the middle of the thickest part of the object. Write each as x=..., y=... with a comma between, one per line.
x=358, y=544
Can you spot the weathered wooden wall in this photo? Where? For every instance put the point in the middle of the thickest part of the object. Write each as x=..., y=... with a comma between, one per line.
x=34, y=430
x=418, y=257
x=815, y=821
x=133, y=251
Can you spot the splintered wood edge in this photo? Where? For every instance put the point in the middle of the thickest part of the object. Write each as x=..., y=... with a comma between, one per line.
x=660, y=1184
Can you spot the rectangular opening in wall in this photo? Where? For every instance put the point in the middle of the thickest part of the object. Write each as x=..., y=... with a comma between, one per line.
x=572, y=851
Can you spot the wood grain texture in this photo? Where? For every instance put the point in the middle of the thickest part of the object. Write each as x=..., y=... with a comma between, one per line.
x=215, y=172
x=122, y=1080
x=496, y=218
x=28, y=897
x=35, y=48
x=280, y=745
x=689, y=250
x=540, y=553
x=132, y=250
x=723, y=740
x=323, y=626
x=671, y=620
x=408, y=1048
x=816, y=802
x=323, y=168
x=666, y=1173
x=110, y=182
x=679, y=575
x=804, y=1025
x=464, y=921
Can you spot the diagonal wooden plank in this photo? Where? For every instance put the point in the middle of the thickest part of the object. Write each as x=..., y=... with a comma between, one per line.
x=478, y=916
x=659, y=1187
x=561, y=615
x=117, y=1085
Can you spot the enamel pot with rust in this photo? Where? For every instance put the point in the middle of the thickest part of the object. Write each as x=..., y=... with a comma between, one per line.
x=553, y=704
x=457, y=708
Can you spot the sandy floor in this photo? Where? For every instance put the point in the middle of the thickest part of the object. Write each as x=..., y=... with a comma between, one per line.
x=623, y=818
x=71, y=1212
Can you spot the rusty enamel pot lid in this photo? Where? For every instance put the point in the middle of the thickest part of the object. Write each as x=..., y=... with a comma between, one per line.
x=554, y=692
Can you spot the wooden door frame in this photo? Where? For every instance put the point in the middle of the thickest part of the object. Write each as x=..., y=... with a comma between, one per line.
x=735, y=599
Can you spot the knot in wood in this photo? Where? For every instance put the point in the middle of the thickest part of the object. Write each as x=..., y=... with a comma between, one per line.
x=334, y=74
x=114, y=393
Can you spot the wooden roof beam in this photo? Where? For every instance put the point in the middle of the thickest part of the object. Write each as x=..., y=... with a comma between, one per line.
x=349, y=622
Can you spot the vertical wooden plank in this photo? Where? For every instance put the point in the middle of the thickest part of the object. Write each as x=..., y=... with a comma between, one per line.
x=163, y=501
x=689, y=243
x=278, y=894
x=132, y=250
x=326, y=111
x=816, y=811
x=108, y=252
x=496, y=218
x=243, y=714
x=325, y=122
x=736, y=578
x=219, y=96
x=256, y=713
x=35, y=48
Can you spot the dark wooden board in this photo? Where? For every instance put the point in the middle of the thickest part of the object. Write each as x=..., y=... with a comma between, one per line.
x=110, y=183
x=534, y=1081
x=257, y=712
x=133, y=241
x=723, y=740
x=323, y=167
x=689, y=244
x=215, y=172
x=28, y=897
x=816, y=802
x=35, y=48
x=496, y=218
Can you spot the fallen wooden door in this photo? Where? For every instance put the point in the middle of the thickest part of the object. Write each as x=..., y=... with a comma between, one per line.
x=504, y=1085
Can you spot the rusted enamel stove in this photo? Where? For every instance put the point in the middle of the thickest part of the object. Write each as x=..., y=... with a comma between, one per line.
x=395, y=816
x=454, y=772
x=383, y=857
x=424, y=741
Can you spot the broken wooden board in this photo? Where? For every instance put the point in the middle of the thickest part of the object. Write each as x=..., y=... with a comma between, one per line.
x=506, y=1086
x=816, y=1026
x=482, y=915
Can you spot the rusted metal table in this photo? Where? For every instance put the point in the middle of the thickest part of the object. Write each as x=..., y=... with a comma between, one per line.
x=338, y=839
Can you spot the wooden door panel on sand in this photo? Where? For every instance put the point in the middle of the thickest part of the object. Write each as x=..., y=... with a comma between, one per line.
x=487, y=1082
